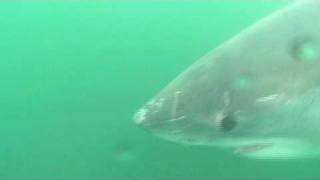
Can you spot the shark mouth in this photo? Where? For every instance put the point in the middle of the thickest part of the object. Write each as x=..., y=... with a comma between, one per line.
x=272, y=148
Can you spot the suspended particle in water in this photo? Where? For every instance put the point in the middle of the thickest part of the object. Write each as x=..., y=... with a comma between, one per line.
x=123, y=152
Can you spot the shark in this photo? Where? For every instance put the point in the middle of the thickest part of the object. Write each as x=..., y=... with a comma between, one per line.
x=256, y=95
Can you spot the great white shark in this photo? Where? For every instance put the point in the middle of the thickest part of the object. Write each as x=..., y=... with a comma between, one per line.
x=257, y=94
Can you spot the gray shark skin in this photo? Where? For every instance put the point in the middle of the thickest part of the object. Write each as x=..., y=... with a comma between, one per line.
x=257, y=94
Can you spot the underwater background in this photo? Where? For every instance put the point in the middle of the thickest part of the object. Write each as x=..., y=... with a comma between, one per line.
x=73, y=74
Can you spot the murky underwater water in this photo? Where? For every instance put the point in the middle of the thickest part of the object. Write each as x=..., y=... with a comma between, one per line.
x=73, y=74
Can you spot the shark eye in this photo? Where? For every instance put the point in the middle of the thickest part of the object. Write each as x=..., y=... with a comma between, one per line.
x=228, y=123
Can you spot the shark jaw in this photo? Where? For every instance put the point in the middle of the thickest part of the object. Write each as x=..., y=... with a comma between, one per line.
x=271, y=148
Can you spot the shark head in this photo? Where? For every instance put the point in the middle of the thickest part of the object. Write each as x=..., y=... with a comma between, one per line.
x=257, y=93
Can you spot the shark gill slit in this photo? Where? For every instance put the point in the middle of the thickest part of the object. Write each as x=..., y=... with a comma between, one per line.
x=175, y=104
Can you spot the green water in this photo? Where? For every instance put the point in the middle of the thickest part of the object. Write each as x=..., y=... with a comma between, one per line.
x=73, y=74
